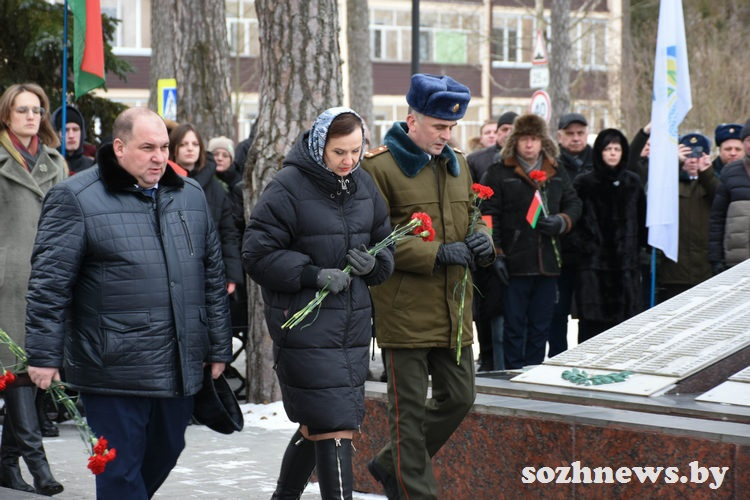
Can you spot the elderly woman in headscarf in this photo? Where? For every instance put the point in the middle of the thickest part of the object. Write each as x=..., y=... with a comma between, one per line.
x=320, y=213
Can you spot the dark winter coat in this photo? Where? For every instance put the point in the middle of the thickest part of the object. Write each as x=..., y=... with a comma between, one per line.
x=220, y=205
x=696, y=198
x=141, y=282
x=527, y=251
x=636, y=162
x=574, y=165
x=609, y=237
x=729, y=239
x=303, y=222
x=480, y=161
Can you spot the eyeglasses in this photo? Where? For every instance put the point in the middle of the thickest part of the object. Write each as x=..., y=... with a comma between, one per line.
x=22, y=110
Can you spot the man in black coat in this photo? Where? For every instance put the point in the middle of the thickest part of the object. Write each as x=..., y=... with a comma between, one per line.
x=576, y=158
x=127, y=293
x=487, y=307
x=527, y=245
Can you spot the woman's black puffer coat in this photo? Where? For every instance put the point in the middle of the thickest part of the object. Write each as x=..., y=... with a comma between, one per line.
x=304, y=218
x=220, y=206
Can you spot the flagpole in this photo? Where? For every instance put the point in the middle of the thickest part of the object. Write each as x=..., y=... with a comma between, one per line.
x=64, y=104
x=653, y=277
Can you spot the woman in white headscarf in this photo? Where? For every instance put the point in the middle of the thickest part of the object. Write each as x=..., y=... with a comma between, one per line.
x=320, y=213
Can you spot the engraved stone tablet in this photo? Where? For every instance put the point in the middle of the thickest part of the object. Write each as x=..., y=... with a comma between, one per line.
x=734, y=391
x=671, y=341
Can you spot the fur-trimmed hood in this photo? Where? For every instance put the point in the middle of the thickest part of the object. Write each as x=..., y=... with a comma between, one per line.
x=534, y=125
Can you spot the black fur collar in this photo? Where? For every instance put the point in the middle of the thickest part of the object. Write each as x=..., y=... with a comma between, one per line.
x=115, y=178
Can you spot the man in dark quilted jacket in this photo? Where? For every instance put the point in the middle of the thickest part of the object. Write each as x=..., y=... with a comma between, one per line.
x=127, y=294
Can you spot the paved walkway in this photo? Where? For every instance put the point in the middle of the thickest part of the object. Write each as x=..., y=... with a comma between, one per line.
x=242, y=465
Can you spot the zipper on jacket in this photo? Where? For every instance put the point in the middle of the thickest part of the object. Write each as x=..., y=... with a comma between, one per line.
x=187, y=233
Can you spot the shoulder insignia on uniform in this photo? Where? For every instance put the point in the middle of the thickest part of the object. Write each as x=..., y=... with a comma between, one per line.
x=458, y=150
x=375, y=152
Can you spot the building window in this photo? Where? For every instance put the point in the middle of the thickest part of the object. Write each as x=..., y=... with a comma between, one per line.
x=242, y=28
x=425, y=46
x=452, y=36
x=244, y=37
x=512, y=40
x=589, y=44
x=376, y=41
x=133, y=32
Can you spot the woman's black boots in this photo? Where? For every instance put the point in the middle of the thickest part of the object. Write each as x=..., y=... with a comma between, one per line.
x=49, y=429
x=334, y=460
x=22, y=421
x=296, y=467
x=10, y=472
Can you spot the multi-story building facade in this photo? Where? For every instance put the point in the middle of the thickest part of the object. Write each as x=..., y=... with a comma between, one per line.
x=486, y=44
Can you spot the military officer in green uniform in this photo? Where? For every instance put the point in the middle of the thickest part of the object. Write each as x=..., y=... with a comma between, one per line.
x=417, y=309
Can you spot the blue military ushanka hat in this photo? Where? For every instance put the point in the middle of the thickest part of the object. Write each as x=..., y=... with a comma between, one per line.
x=727, y=131
x=696, y=139
x=438, y=96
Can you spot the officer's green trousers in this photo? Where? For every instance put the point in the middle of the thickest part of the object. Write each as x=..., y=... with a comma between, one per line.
x=420, y=426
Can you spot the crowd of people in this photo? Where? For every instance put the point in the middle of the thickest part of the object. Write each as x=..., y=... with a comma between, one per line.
x=133, y=259
x=601, y=270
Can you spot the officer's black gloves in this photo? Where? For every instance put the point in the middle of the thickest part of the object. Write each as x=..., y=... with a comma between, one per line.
x=456, y=253
x=481, y=247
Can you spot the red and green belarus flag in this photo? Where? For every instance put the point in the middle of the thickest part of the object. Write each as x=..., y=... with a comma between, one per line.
x=532, y=214
x=88, y=46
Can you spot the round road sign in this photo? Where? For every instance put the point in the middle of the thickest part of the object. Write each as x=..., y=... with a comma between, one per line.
x=540, y=105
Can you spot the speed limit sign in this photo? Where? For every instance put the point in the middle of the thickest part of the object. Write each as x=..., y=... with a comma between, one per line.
x=540, y=105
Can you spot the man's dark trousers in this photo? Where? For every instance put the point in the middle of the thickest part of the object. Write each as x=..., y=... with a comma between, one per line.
x=529, y=304
x=148, y=434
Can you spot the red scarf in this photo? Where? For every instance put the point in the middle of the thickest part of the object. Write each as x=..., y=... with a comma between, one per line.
x=26, y=152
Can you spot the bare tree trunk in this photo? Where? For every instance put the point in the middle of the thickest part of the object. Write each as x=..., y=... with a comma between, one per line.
x=360, y=64
x=559, y=64
x=301, y=76
x=197, y=57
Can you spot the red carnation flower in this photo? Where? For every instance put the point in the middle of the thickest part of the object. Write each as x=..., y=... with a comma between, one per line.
x=97, y=463
x=425, y=229
x=538, y=176
x=101, y=446
x=482, y=192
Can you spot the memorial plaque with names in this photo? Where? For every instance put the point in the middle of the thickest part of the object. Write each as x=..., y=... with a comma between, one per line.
x=734, y=391
x=671, y=341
